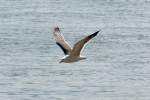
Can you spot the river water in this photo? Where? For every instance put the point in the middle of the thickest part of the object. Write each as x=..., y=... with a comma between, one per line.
x=118, y=59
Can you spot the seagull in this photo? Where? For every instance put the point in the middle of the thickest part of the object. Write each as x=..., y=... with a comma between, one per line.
x=71, y=54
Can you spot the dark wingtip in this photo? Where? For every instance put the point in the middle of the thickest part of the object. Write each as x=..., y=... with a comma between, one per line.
x=97, y=32
x=56, y=28
x=93, y=35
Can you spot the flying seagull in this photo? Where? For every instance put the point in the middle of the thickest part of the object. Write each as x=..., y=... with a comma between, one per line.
x=71, y=54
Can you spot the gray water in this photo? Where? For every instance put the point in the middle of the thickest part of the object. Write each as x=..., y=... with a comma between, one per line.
x=118, y=59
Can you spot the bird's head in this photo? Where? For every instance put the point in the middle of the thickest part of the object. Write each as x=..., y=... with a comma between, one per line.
x=62, y=60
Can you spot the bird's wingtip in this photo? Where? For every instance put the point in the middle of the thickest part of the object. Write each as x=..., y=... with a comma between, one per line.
x=97, y=32
x=56, y=28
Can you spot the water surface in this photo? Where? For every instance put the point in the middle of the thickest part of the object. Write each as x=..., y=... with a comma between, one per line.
x=118, y=64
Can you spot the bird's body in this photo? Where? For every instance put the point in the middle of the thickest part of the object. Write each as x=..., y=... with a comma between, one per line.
x=71, y=59
x=71, y=54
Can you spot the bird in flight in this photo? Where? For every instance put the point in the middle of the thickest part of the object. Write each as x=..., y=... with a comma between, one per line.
x=71, y=54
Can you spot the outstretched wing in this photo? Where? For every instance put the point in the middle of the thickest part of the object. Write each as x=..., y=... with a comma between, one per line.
x=60, y=41
x=80, y=44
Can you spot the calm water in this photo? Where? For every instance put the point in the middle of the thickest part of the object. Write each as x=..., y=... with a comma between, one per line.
x=118, y=64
